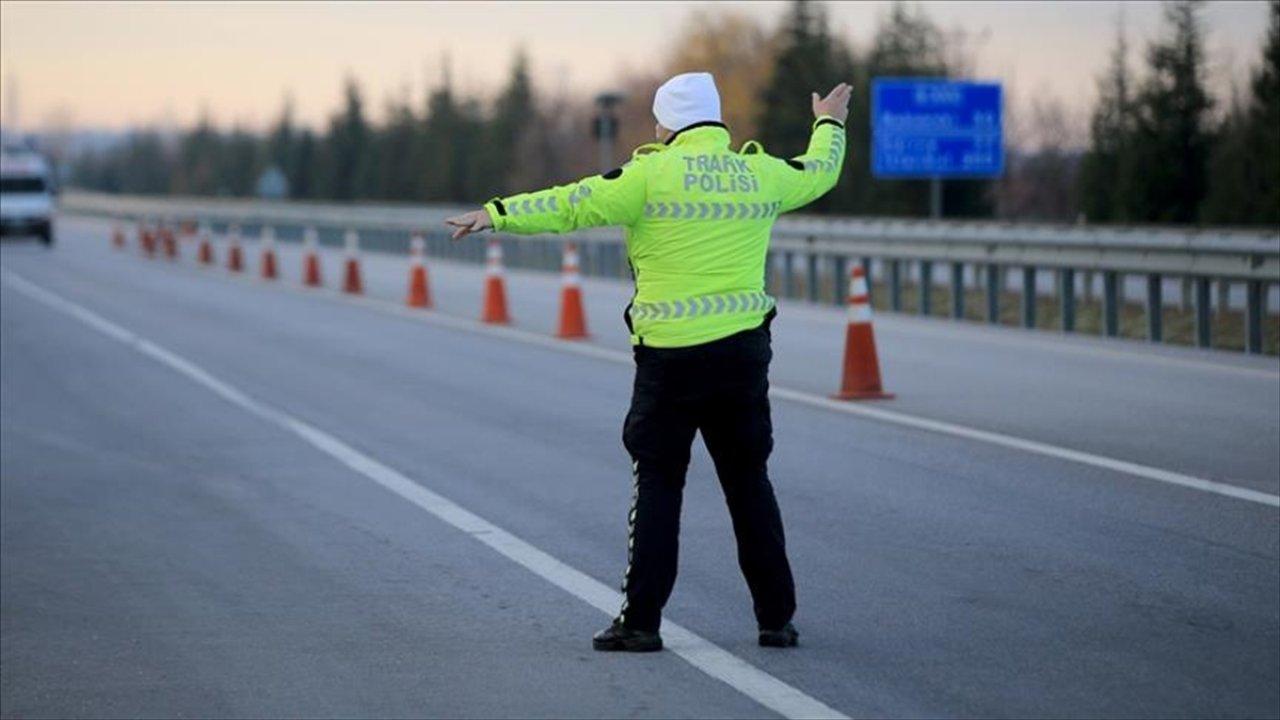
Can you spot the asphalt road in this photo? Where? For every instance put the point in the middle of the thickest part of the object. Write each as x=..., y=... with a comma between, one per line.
x=166, y=553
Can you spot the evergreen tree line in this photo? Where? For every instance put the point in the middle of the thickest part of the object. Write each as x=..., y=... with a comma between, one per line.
x=1157, y=152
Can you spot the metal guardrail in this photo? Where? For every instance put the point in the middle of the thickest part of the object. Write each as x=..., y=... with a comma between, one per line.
x=820, y=249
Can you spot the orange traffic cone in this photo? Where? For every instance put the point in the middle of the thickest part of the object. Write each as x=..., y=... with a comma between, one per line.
x=418, y=295
x=310, y=259
x=117, y=237
x=573, y=320
x=495, y=289
x=235, y=261
x=267, y=239
x=351, y=282
x=861, y=379
x=148, y=240
x=205, y=253
x=170, y=242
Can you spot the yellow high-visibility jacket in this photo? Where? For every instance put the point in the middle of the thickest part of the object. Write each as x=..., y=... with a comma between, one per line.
x=697, y=217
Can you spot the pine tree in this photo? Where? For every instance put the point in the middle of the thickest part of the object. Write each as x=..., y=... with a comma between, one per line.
x=1244, y=168
x=1103, y=169
x=239, y=163
x=198, y=151
x=803, y=64
x=807, y=59
x=1264, y=126
x=397, y=178
x=143, y=166
x=346, y=147
x=514, y=114
x=448, y=145
x=303, y=166
x=280, y=143
x=1172, y=139
x=279, y=149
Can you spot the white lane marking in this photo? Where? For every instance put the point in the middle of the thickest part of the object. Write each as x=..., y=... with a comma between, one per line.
x=997, y=336
x=1033, y=446
x=798, y=396
x=704, y=655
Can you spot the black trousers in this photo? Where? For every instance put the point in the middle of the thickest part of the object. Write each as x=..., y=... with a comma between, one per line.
x=721, y=389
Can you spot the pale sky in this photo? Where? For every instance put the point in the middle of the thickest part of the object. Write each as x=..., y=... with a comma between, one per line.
x=111, y=65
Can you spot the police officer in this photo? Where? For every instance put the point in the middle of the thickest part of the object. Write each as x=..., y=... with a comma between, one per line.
x=697, y=217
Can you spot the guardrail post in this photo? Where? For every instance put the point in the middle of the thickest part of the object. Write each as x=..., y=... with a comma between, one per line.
x=926, y=287
x=866, y=272
x=993, y=294
x=1111, y=303
x=1204, y=313
x=788, y=274
x=1028, y=296
x=811, y=282
x=1253, y=309
x=839, y=276
x=895, y=285
x=1155, y=309
x=957, y=290
x=1068, y=299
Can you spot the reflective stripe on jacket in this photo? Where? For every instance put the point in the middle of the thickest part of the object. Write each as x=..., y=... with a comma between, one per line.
x=697, y=218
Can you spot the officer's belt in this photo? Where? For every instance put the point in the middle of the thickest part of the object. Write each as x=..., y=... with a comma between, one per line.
x=702, y=306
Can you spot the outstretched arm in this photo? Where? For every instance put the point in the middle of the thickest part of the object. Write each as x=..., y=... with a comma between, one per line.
x=807, y=177
x=614, y=198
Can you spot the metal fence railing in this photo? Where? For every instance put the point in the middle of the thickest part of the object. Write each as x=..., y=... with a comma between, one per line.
x=931, y=266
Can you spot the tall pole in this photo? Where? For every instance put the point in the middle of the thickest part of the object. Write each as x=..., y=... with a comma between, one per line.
x=606, y=149
x=605, y=128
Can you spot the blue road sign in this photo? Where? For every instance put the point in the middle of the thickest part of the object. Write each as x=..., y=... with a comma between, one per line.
x=930, y=128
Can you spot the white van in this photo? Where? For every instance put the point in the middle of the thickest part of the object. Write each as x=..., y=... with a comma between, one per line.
x=26, y=194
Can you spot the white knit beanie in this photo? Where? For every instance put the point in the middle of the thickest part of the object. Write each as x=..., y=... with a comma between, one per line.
x=687, y=99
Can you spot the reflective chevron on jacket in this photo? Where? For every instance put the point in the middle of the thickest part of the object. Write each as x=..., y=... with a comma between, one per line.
x=722, y=304
x=712, y=211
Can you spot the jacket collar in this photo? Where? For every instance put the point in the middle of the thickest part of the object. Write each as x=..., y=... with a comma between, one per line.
x=707, y=131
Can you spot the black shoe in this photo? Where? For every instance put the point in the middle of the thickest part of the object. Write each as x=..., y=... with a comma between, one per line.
x=617, y=638
x=786, y=637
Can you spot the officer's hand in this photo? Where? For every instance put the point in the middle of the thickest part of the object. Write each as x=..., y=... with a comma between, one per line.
x=467, y=223
x=835, y=104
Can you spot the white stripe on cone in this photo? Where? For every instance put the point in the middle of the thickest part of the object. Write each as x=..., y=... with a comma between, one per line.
x=859, y=303
x=859, y=313
x=493, y=259
x=859, y=285
x=569, y=268
x=417, y=247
